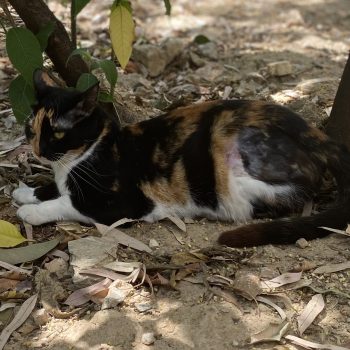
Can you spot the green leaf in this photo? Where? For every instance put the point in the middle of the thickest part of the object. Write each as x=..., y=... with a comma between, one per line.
x=22, y=97
x=9, y=235
x=104, y=97
x=28, y=253
x=167, y=7
x=110, y=71
x=83, y=53
x=79, y=5
x=24, y=51
x=121, y=29
x=44, y=34
x=201, y=39
x=85, y=81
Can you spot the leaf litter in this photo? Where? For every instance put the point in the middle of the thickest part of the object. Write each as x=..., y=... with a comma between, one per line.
x=311, y=311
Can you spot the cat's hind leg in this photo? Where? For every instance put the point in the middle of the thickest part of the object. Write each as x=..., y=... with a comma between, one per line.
x=59, y=209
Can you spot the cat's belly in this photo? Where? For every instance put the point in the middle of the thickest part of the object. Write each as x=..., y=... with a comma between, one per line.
x=237, y=204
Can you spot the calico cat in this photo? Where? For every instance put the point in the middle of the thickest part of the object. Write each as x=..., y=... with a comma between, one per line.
x=225, y=160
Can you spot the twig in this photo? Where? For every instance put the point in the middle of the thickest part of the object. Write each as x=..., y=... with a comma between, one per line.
x=7, y=12
x=73, y=24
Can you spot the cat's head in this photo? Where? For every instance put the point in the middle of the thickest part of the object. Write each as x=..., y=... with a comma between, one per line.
x=61, y=122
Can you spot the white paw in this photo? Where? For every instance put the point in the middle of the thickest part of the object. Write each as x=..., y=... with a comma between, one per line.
x=25, y=195
x=30, y=213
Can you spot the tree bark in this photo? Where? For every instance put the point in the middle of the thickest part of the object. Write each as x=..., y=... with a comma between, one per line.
x=338, y=124
x=35, y=14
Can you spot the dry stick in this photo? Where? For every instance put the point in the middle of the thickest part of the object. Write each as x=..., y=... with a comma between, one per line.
x=36, y=14
x=7, y=12
x=73, y=24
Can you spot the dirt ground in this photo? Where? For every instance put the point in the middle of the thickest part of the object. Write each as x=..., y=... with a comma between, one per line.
x=245, y=38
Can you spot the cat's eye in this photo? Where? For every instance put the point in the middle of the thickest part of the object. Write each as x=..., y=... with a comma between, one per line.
x=58, y=135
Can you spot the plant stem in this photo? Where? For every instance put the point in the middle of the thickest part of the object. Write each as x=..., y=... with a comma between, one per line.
x=73, y=24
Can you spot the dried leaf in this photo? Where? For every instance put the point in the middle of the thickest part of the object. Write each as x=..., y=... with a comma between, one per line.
x=333, y=267
x=122, y=238
x=104, y=273
x=119, y=223
x=9, y=235
x=307, y=209
x=274, y=332
x=22, y=314
x=299, y=284
x=11, y=267
x=219, y=280
x=308, y=344
x=311, y=311
x=29, y=253
x=283, y=279
x=29, y=230
x=7, y=284
x=229, y=297
x=6, y=306
x=83, y=295
x=276, y=307
x=60, y=254
x=177, y=236
x=178, y=222
x=247, y=285
x=186, y=258
x=341, y=232
x=122, y=266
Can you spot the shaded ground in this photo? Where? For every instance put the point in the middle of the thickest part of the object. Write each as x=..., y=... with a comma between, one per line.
x=246, y=36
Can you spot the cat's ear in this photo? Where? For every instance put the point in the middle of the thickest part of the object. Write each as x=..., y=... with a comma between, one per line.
x=90, y=98
x=42, y=81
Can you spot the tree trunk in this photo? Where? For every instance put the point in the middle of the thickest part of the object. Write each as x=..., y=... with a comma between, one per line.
x=338, y=125
x=35, y=14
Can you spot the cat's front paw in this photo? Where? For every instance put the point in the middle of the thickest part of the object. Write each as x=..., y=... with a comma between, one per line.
x=24, y=195
x=30, y=213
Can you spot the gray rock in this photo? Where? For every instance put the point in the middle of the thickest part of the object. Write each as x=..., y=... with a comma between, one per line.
x=172, y=48
x=209, y=50
x=148, y=338
x=114, y=297
x=143, y=307
x=280, y=68
x=152, y=57
x=40, y=317
x=153, y=243
x=302, y=243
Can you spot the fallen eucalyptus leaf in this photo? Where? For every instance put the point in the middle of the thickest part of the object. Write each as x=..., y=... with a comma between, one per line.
x=308, y=344
x=178, y=222
x=274, y=332
x=185, y=258
x=81, y=296
x=22, y=314
x=28, y=253
x=333, y=267
x=341, y=232
x=311, y=311
x=285, y=278
x=272, y=304
x=122, y=238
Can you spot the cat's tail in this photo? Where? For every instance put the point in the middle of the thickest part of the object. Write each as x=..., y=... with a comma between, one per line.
x=289, y=230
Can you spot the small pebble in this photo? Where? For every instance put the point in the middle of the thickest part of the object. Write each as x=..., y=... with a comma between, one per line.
x=40, y=317
x=280, y=68
x=143, y=307
x=153, y=243
x=148, y=338
x=302, y=243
